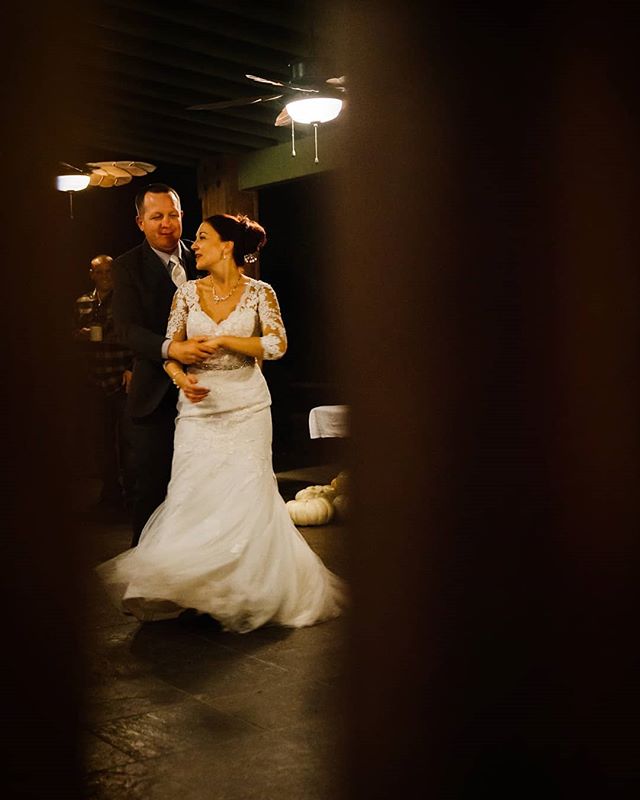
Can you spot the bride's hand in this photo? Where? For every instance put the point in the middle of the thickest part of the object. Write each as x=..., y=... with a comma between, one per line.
x=193, y=391
x=189, y=351
x=214, y=343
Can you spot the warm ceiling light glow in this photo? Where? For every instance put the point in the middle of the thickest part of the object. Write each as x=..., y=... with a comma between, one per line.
x=71, y=183
x=314, y=109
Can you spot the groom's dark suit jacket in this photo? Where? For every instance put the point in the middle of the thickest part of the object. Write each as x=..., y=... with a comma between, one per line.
x=142, y=298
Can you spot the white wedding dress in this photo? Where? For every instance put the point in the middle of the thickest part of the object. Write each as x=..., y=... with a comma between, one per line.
x=222, y=542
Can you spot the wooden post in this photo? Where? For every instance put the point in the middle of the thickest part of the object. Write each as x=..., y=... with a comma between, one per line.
x=219, y=193
x=494, y=427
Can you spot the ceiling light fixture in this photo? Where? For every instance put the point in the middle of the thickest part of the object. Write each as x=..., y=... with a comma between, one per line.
x=311, y=111
x=71, y=184
x=100, y=173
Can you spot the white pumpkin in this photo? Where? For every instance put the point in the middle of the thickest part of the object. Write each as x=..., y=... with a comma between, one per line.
x=316, y=491
x=340, y=482
x=314, y=511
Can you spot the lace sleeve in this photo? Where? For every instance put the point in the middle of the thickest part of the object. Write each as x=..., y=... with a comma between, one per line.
x=177, y=324
x=274, y=337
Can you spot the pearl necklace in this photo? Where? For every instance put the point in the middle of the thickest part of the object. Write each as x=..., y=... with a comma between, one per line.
x=216, y=296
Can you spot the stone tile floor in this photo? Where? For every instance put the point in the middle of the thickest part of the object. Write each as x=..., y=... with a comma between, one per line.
x=181, y=710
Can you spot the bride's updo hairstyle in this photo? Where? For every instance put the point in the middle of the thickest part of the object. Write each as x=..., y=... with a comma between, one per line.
x=246, y=234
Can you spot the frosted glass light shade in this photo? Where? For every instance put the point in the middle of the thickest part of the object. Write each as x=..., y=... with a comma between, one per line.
x=314, y=109
x=71, y=183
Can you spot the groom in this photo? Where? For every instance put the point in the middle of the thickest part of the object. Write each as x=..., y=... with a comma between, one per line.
x=146, y=278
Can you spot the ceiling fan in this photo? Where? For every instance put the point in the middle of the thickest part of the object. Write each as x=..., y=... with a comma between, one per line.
x=111, y=173
x=309, y=97
x=99, y=173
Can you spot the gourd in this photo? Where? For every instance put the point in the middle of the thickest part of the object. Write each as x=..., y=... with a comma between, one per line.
x=341, y=506
x=313, y=511
x=316, y=491
x=340, y=482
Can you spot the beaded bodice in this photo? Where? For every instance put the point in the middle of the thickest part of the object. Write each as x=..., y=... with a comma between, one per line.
x=257, y=313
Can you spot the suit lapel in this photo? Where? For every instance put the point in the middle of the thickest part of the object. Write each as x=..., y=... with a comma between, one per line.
x=155, y=273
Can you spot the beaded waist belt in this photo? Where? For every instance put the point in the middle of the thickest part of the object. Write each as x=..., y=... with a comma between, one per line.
x=207, y=366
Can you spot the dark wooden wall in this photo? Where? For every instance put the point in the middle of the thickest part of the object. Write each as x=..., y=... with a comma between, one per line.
x=42, y=593
x=492, y=366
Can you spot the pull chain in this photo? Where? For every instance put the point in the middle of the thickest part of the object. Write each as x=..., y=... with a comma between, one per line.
x=293, y=139
x=315, y=136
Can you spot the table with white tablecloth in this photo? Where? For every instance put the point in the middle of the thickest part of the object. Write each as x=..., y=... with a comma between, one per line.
x=329, y=422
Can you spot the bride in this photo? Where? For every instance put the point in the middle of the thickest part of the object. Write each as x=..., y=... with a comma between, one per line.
x=222, y=541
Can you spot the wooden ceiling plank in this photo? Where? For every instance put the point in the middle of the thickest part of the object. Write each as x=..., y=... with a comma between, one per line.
x=107, y=147
x=230, y=22
x=293, y=15
x=184, y=131
x=188, y=91
x=92, y=88
x=168, y=100
x=122, y=110
x=148, y=147
x=143, y=135
x=202, y=41
x=142, y=48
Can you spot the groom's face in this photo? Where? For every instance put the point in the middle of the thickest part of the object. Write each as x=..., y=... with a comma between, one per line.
x=161, y=221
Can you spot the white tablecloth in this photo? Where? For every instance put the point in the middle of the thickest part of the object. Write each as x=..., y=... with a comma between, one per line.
x=329, y=422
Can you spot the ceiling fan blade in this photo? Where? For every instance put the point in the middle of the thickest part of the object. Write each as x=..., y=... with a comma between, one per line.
x=239, y=101
x=111, y=168
x=257, y=79
x=282, y=119
x=71, y=166
x=143, y=165
x=123, y=170
x=102, y=178
x=132, y=168
x=135, y=168
x=304, y=89
x=289, y=87
x=336, y=81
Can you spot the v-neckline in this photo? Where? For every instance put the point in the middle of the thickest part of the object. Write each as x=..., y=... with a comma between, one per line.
x=233, y=310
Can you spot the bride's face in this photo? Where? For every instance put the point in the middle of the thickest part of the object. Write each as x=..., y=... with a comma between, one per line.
x=209, y=247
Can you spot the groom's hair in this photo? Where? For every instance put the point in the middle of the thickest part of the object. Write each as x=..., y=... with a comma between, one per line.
x=154, y=188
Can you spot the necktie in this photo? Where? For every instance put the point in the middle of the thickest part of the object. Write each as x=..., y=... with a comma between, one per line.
x=178, y=275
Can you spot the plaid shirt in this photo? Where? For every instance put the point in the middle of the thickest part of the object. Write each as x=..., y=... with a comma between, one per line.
x=108, y=359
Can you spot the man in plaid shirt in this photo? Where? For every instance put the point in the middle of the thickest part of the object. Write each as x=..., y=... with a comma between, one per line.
x=109, y=370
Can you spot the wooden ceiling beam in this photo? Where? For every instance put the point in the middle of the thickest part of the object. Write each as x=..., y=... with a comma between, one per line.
x=127, y=108
x=201, y=41
x=173, y=101
x=106, y=148
x=140, y=98
x=230, y=22
x=130, y=114
x=144, y=144
x=177, y=85
x=141, y=47
x=293, y=15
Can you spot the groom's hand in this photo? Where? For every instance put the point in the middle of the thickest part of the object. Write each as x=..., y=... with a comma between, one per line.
x=190, y=351
x=194, y=391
